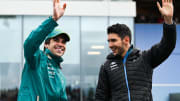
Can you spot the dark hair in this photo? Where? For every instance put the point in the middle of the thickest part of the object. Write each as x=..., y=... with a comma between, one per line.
x=47, y=41
x=121, y=29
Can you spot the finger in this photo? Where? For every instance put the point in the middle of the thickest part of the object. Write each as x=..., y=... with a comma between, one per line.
x=57, y=1
x=64, y=6
x=54, y=2
x=170, y=1
x=162, y=1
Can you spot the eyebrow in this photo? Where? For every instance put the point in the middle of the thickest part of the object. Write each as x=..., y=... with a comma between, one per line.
x=111, y=40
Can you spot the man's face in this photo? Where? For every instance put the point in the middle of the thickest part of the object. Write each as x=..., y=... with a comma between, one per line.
x=116, y=44
x=57, y=46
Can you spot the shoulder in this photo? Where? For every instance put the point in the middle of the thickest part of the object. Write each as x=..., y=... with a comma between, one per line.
x=40, y=56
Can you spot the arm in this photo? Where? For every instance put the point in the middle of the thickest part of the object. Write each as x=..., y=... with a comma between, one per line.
x=36, y=37
x=102, y=90
x=34, y=40
x=159, y=52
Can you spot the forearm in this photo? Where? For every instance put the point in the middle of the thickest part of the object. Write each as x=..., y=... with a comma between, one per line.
x=169, y=36
x=159, y=52
x=36, y=37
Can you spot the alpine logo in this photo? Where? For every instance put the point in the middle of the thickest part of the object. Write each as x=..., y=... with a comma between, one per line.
x=113, y=66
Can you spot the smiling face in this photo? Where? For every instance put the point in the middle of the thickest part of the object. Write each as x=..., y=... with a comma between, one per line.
x=57, y=46
x=117, y=45
x=119, y=38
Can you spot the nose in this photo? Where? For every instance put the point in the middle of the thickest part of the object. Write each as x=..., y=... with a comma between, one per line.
x=110, y=44
x=61, y=44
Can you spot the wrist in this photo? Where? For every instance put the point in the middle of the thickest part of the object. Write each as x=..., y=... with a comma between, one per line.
x=168, y=20
x=54, y=18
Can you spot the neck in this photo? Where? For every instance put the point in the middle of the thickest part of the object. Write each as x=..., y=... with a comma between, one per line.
x=57, y=59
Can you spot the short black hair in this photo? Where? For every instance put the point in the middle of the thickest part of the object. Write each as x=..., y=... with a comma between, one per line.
x=121, y=29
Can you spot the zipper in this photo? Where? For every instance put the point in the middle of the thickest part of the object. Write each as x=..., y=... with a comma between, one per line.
x=125, y=73
x=37, y=98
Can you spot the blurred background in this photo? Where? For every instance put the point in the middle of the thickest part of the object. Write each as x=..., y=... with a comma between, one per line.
x=86, y=22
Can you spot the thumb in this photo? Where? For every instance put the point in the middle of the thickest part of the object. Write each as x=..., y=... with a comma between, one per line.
x=64, y=6
x=159, y=7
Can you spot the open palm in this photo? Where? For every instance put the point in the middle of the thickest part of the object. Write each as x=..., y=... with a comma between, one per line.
x=58, y=11
x=167, y=8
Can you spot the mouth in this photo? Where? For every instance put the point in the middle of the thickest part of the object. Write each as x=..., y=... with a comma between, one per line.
x=59, y=49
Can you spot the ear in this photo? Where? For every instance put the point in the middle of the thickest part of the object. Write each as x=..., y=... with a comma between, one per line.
x=126, y=40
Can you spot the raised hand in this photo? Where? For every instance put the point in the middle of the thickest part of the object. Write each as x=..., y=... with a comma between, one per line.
x=167, y=10
x=58, y=11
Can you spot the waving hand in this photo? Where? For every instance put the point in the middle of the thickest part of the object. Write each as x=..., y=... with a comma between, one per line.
x=58, y=11
x=166, y=10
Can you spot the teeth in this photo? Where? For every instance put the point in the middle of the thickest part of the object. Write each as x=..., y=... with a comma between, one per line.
x=59, y=50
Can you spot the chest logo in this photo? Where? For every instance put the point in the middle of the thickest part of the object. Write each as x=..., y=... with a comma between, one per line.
x=51, y=71
x=113, y=66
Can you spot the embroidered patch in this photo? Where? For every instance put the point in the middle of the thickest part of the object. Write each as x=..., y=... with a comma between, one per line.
x=113, y=66
x=51, y=71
